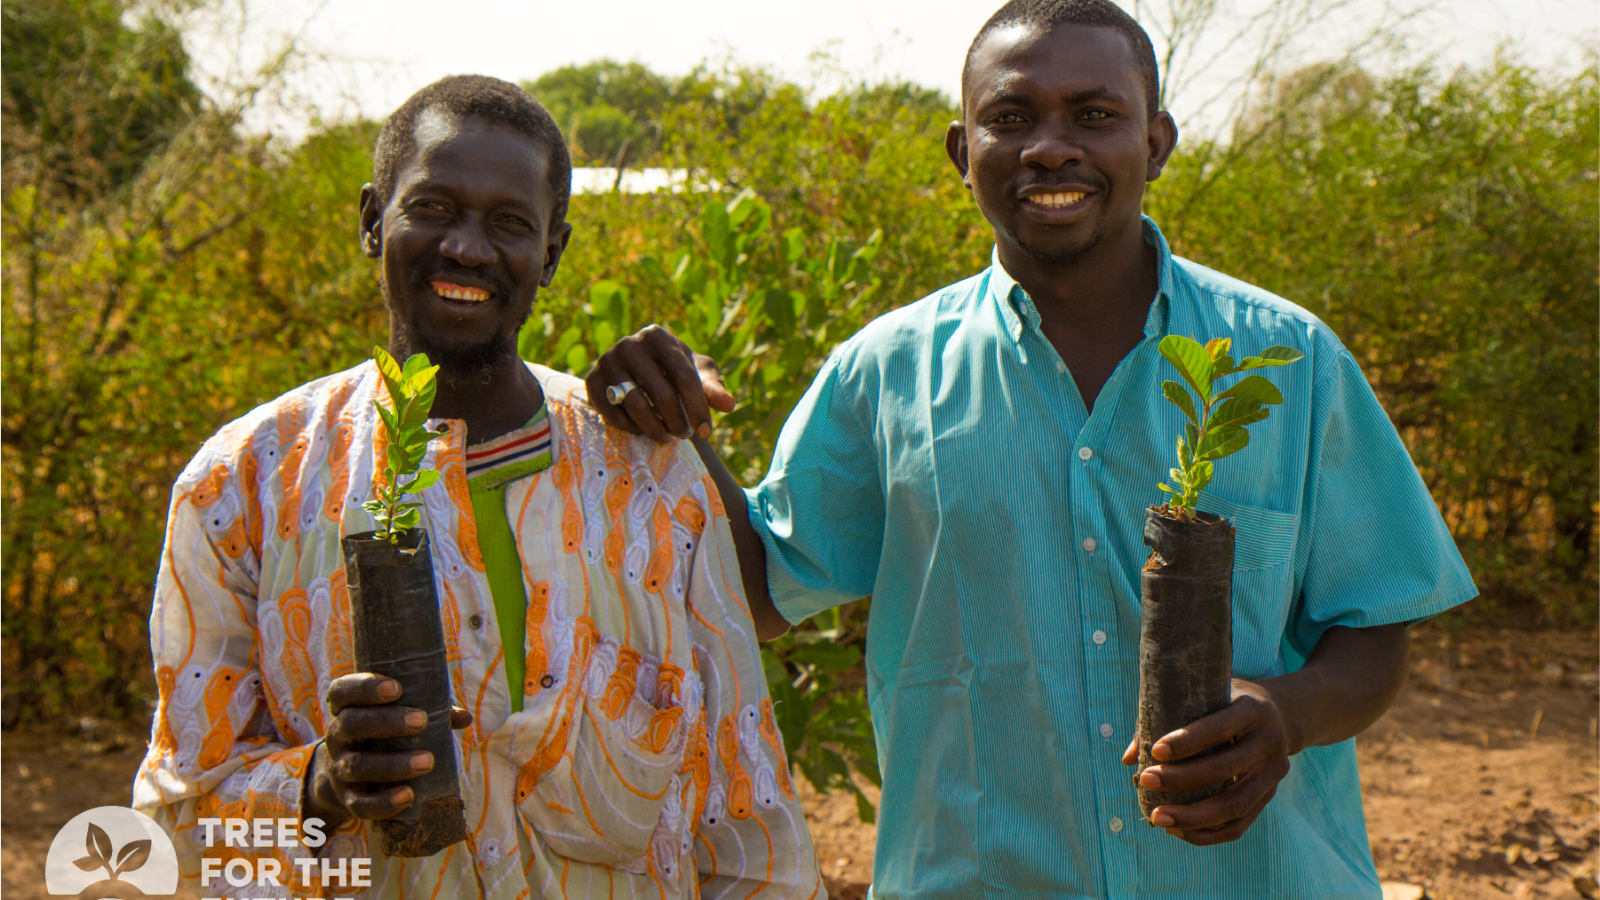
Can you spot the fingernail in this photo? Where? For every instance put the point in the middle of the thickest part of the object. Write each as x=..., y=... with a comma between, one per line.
x=1150, y=778
x=404, y=795
x=421, y=762
x=705, y=430
x=1161, y=751
x=416, y=718
x=389, y=689
x=1161, y=819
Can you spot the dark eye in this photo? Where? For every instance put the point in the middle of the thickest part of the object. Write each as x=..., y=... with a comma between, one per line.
x=1097, y=115
x=520, y=224
x=1008, y=118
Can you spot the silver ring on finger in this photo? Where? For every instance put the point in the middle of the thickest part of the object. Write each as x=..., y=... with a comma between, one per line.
x=617, y=392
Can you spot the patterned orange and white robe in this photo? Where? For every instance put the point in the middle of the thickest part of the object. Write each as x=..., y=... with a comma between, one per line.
x=646, y=761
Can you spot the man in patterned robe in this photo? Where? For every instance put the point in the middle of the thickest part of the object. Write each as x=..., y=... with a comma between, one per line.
x=615, y=733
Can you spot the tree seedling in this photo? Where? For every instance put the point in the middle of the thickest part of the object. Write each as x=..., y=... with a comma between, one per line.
x=411, y=391
x=1216, y=427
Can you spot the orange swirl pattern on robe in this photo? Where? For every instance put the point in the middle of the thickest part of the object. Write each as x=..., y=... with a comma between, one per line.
x=619, y=690
x=296, y=655
x=293, y=443
x=340, y=640
x=741, y=790
x=769, y=730
x=536, y=662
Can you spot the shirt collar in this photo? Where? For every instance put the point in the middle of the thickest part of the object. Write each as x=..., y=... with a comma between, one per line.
x=1017, y=310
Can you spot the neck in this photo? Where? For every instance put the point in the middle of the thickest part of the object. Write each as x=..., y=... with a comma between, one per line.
x=1099, y=295
x=502, y=403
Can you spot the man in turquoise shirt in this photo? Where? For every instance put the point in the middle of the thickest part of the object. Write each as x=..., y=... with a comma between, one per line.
x=979, y=462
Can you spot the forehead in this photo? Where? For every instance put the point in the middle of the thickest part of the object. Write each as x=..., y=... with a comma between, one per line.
x=475, y=155
x=1065, y=59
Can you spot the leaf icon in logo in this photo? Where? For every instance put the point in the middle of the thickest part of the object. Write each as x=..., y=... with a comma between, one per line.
x=133, y=855
x=98, y=843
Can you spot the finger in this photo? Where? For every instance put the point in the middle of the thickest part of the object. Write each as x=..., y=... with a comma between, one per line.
x=603, y=375
x=382, y=803
x=1222, y=726
x=643, y=416
x=1130, y=756
x=459, y=718
x=1229, y=831
x=1233, y=802
x=381, y=768
x=664, y=398
x=717, y=394
x=361, y=689
x=1234, y=760
x=365, y=723
x=680, y=368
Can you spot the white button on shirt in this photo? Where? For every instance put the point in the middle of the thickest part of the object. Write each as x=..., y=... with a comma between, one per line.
x=1105, y=729
x=1060, y=366
x=1089, y=544
x=1099, y=636
x=1084, y=453
x=1116, y=826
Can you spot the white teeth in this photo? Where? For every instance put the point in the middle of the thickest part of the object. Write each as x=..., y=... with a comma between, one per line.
x=1057, y=200
x=474, y=295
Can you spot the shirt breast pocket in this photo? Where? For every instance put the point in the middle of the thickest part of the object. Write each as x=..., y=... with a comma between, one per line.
x=1263, y=583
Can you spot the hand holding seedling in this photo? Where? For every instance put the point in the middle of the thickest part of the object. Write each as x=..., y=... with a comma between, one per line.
x=344, y=780
x=1351, y=677
x=1216, y=428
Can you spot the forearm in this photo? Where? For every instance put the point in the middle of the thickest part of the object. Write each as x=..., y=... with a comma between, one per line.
x=752, y=553
x=1351, y=677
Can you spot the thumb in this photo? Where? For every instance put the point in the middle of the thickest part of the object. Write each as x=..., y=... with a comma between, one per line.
x=459, y=718
x=717, y=394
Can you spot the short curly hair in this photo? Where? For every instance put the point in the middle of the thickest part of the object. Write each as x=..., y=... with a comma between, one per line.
x=462, y=96
x=1046, y=14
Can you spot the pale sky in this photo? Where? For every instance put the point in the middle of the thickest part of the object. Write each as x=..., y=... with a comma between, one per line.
x=381, y=52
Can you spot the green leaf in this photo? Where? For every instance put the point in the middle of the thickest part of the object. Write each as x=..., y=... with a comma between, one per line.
x=1236, y=412
x=1163, y=486
x=1184, y=459
x=387, y=367
x=1223, y=443
x=578, y=360
x=1254, y=386
x=1217, y=348
x=828, y=656
x=1180, y=398
x=864, y=810
x=407, y=520
x=425, y=479
x=415, y=363
x=1191, y=361
x=1272, y=356
x=390, y=424
x=1192, y=433
x=1202, y=477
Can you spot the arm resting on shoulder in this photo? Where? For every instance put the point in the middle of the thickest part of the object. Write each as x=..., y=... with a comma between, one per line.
x=770, y=624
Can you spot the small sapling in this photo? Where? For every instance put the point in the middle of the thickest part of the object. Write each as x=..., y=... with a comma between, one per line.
x=411, y=391
x=1216, y=427
x=1186, y=586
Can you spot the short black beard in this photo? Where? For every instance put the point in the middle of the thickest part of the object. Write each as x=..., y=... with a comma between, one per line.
x=460, y=365
x=1062, y=258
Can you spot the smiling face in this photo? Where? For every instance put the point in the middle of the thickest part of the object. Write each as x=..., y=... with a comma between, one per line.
x=466, y=242
x=1056, y=143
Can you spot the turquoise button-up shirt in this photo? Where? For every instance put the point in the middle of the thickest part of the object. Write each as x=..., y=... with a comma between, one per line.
x=944, y=463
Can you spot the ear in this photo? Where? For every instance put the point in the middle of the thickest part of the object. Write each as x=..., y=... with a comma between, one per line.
x=1162, y=137
x=955, y=147
x=371, y=222
x=552, y=252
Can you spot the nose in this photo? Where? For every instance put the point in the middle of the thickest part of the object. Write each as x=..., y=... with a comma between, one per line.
x=1051, y=146
x=467, y=244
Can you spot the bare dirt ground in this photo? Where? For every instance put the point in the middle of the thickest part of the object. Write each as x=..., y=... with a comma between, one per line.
x=1483, y=780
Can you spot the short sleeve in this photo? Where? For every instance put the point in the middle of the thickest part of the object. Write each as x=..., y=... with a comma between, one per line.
x=820, y=510
x=1377, y=550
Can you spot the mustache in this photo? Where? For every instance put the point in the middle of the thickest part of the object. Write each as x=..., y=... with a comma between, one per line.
x=1074, y=181
x=460, y=275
